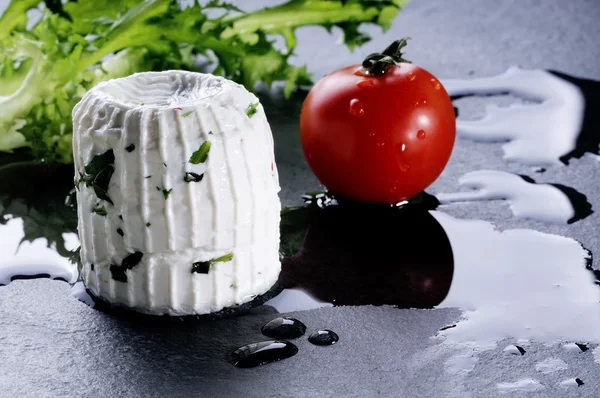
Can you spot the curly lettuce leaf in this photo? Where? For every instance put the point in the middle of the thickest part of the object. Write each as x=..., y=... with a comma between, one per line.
x=47, y=68
x=345, y=14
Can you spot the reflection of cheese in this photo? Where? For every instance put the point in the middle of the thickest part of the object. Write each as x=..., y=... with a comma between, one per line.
x=153, y=122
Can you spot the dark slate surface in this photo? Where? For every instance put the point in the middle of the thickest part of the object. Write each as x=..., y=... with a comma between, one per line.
x=51, y=345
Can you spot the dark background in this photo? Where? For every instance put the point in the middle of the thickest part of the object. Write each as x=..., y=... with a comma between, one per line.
x=51, y=345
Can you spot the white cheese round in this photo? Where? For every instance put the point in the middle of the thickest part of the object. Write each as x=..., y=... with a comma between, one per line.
x=193, y=179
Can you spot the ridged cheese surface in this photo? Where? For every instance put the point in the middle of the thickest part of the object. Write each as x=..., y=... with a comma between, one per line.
x=153, y=123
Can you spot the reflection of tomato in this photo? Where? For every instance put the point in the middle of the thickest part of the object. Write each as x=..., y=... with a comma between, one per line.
x=347, y=258
x=378, y=137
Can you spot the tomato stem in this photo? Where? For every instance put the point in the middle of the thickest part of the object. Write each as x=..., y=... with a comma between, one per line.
x=379, y=63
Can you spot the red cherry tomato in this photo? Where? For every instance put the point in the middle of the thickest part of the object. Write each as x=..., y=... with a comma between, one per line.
x=378, y=138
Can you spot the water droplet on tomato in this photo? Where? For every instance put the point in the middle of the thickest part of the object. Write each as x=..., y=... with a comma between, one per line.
x=411, y=76
x=380, y=144
x=404, y=167
x=365, y=83
x=421, y=134
x=436, y=83
x=362, y=72
x=356, y=108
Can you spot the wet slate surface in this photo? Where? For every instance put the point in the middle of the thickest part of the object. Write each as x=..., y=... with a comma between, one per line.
x=51, y=345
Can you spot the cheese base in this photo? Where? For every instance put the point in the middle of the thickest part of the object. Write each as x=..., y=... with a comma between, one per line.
x=163, y=284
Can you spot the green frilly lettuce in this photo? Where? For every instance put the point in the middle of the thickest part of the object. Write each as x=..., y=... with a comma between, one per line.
x=46, y=67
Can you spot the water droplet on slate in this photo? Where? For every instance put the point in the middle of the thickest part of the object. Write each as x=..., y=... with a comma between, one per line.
x=421, y=134
x=324, y=337
x=256, y=354
x=356, y=108
x=284, y=328
x=365, y=83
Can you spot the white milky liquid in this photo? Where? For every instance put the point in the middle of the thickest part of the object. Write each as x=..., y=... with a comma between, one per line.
x=537, y=134
x=542, y=202
x=569, y=383
x=295, y=300
x=551, y=365
x=523, y=385
x=33, y=258
x=519, y=284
